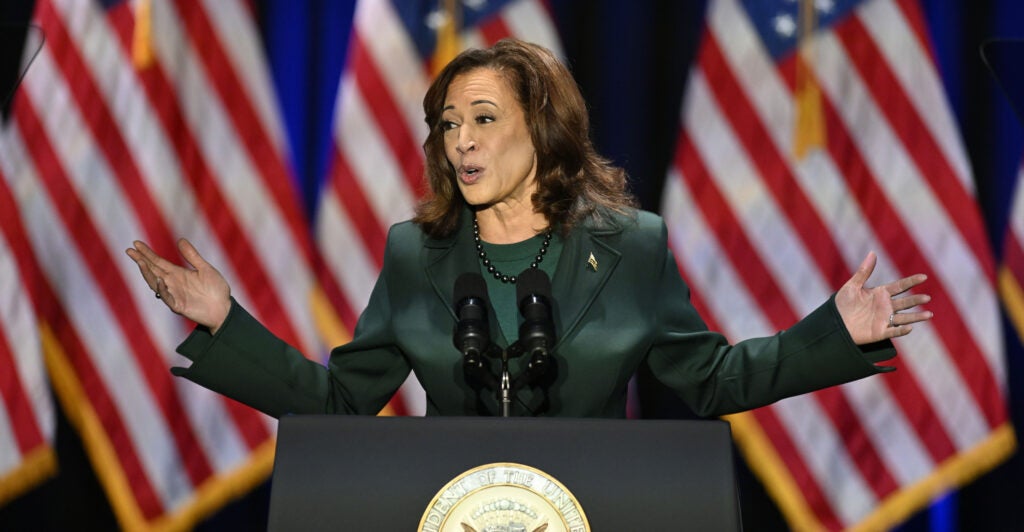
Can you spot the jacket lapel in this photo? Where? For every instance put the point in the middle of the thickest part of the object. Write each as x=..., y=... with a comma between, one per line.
x=576, y=283
x=587, y=262
x=447, y=258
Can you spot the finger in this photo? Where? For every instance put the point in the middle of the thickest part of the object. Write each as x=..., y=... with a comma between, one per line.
x=906, y=318
x=144, y=268
x=158, y=264
x=867, y=266
x=191, y=255
x=165, y=293
x=906, y=283
x=894, y=332
x=909, y=302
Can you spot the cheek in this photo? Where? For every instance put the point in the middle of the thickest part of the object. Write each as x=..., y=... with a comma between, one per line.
x=449, y=149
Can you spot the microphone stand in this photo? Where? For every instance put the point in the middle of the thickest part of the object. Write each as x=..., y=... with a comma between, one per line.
x=505, y=392
x=506, y=388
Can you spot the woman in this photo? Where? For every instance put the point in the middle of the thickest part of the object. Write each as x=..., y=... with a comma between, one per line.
x=516, y=184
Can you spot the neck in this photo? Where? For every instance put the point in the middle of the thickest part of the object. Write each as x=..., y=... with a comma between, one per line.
x=501, y=227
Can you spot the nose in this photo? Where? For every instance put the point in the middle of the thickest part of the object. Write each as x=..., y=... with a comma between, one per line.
x=466, y=142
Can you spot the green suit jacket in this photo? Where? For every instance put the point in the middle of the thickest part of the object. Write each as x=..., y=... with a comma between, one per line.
x=632, y=309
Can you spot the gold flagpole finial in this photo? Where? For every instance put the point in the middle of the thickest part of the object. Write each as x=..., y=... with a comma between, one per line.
x=448, y=45
x=809, y=126
x=142, y=38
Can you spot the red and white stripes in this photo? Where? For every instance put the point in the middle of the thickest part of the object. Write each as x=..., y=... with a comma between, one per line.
x=27, y=422
x=101, y=152
x=771, y=237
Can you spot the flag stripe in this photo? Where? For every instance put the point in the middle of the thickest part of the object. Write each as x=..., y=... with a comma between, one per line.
x=842, y=231
x=344, y=254
x=907, y=391
x=262, y=208
x=779, y=435
x=235, y=99
x=914, y=64
x=377, y=96
x=494, y=30
x=532, y=21
x=772, y=167
x=49, y=308
x=892, y=176
x=737, y=247
x=704, y=264
x=160, y=98
x=18, y=408
x=767, y=107
x=78, y=223
x=891, y=231
x=741, y=251
x=892, y=100
x=143, y=491
x=102, y=151
x=378, y=171
x=928, y=224
x=102, y=125
x=367, y=226
x=30, y=416
x=214, y=205
x=160, y=363
x=857, y=441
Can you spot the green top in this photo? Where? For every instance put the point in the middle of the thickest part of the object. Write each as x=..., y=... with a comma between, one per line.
x=618, y=300
x=512, y=259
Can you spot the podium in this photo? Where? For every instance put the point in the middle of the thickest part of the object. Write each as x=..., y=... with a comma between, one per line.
x=384, y=473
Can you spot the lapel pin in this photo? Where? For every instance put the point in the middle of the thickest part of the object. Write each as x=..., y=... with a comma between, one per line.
x=592, y=262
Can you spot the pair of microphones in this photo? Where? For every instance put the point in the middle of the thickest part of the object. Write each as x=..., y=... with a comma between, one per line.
x=472, y=335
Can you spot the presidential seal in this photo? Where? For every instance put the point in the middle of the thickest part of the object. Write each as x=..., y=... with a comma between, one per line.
x=504, y=497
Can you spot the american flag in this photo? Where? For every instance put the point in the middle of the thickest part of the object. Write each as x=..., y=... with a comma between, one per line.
x=764, y=236
x=26, y=411
x=156, y=119
x=1011, y=275
x=377, y=162
x=105, y=146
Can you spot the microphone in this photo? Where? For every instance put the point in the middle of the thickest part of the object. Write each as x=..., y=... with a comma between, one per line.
x=472, y=336
x=537, y=333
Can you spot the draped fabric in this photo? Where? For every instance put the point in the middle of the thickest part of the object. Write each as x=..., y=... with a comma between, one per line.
x=765, y=231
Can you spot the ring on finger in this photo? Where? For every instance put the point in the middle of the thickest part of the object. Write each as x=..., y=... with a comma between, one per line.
x=891, y=317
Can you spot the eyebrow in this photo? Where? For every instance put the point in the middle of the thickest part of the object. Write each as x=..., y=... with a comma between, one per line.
x=474, y=102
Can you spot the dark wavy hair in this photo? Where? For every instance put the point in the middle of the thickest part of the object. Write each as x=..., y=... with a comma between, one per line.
x=574, y=183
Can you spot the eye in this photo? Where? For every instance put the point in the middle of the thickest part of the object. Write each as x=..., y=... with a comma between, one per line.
x=484, y=119
x=448, y=125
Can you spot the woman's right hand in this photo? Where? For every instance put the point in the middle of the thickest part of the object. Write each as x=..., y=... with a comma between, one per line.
x=199, y=293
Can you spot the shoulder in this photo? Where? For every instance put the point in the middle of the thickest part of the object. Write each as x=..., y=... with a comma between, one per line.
x=404, y=243
x=630, y=225
x=405, y=233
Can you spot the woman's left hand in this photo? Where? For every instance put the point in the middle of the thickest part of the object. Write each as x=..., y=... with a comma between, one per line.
x=875, y=314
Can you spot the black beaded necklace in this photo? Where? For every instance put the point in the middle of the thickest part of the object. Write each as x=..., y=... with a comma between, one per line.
x=505, y=278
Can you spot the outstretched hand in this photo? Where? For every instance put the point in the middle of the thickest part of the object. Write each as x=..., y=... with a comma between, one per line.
x=199, y=292
x=875, y=314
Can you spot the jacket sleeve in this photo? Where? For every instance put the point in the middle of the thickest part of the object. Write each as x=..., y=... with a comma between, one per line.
x=246, y=362
x=716, y=378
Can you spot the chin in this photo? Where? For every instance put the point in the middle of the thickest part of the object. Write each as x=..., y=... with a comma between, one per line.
x=473, y=200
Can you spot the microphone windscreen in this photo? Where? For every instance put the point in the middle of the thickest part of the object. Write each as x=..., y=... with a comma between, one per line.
x=533, y=281
x=469, y=284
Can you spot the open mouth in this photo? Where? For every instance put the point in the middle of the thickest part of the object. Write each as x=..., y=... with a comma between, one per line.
x=469, y=174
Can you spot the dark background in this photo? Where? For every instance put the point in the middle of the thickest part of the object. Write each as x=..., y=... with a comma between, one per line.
x=631, y=59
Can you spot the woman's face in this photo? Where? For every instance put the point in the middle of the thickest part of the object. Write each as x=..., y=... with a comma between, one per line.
x=487, y=142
